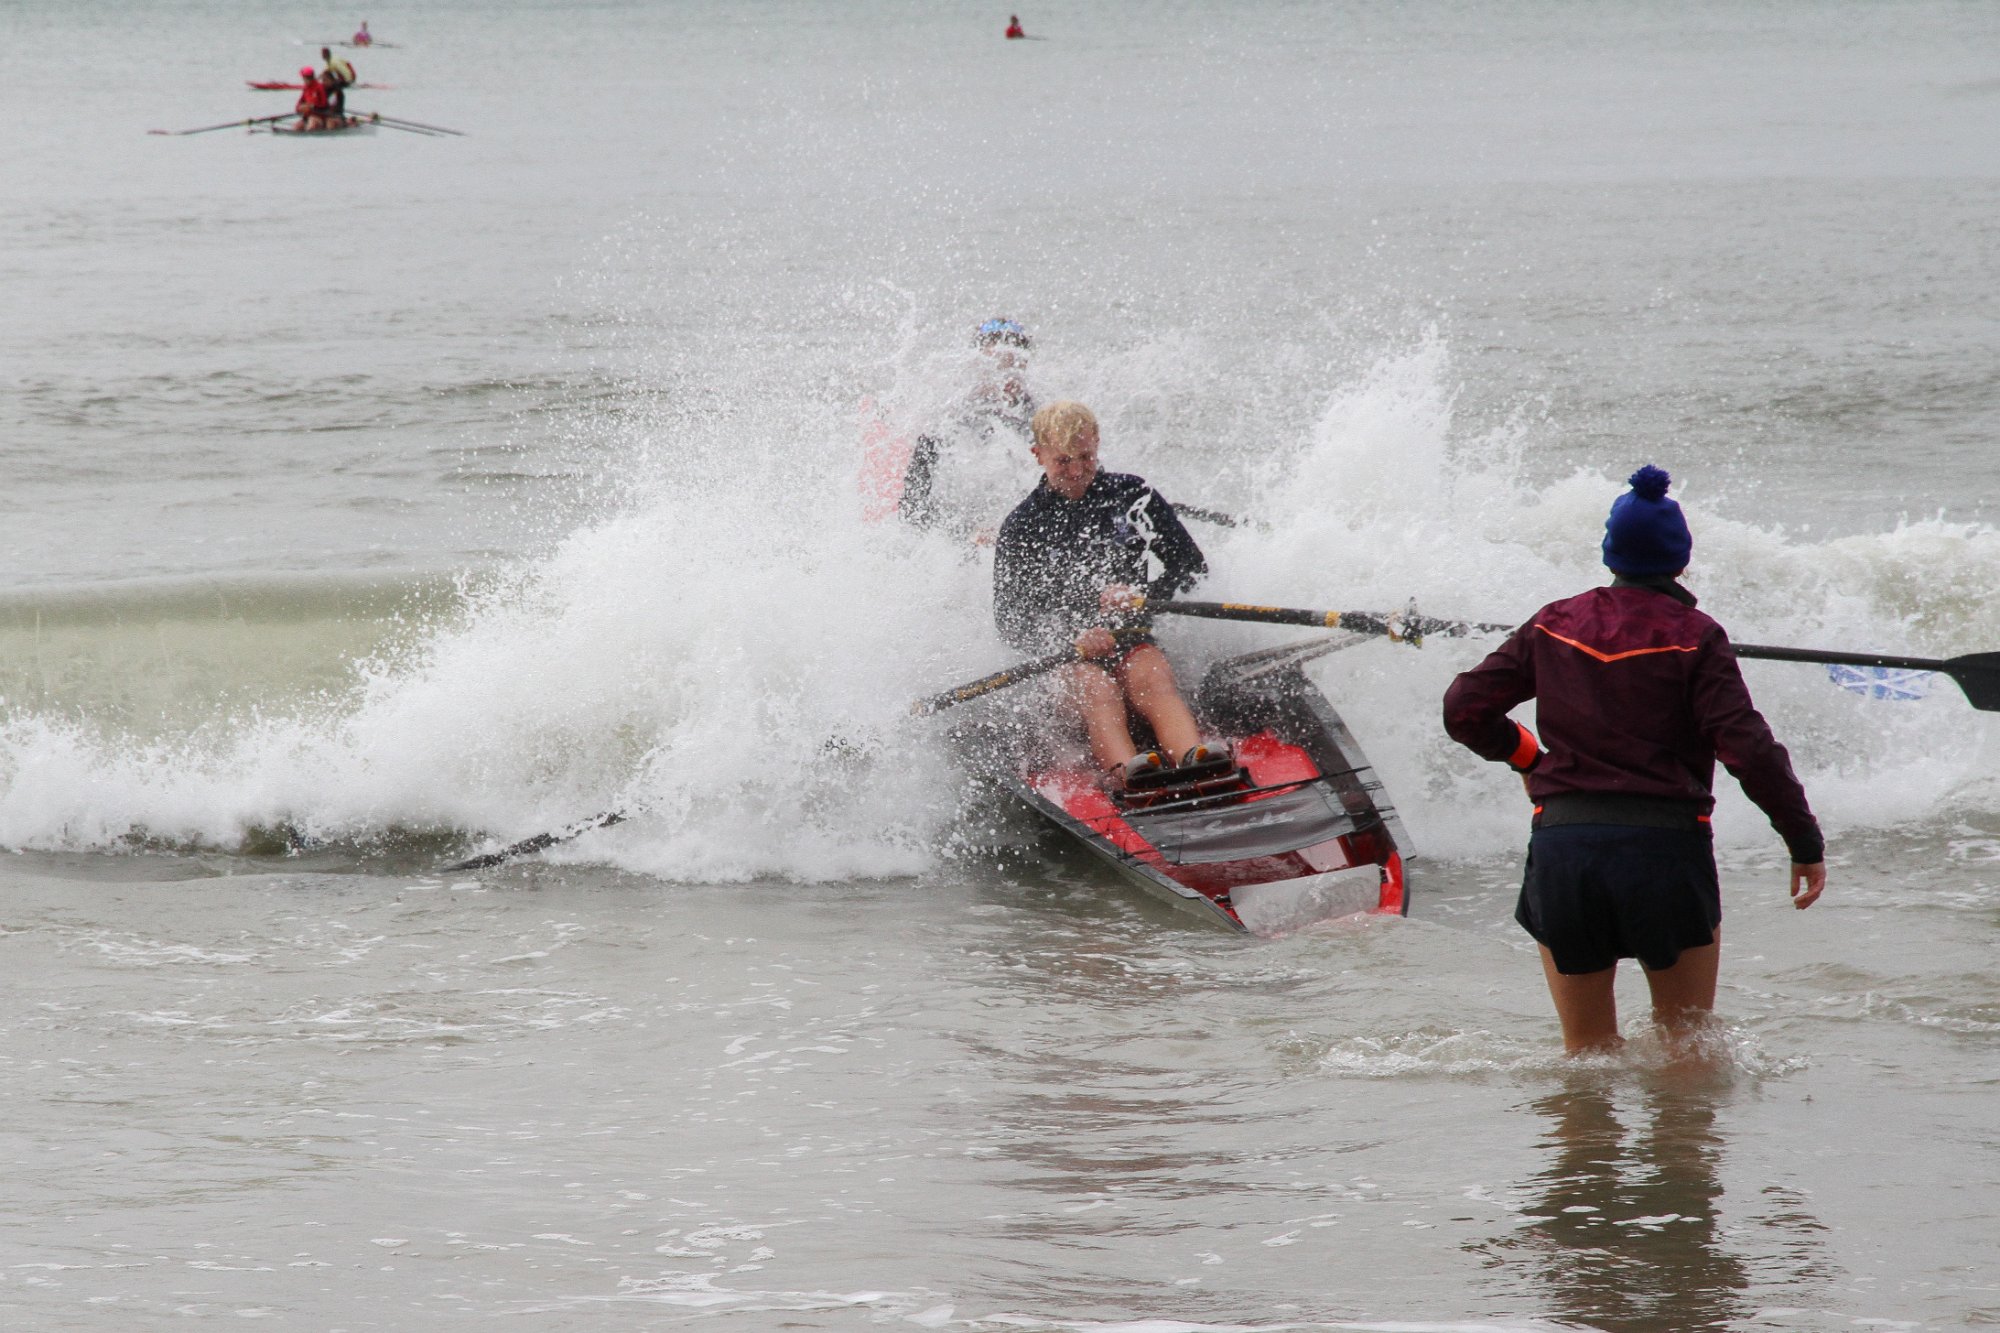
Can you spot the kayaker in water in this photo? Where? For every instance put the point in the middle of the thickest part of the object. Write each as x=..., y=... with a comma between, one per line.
x=337, y=78
x=312, y=103
x=1070, y=562
x=1637, y=695
x=1014, y=29
x=962, y=475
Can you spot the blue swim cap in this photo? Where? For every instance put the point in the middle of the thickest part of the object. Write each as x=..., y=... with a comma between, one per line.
x=1003, y=331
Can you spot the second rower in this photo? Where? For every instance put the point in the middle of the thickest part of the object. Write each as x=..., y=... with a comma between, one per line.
x=337, y=78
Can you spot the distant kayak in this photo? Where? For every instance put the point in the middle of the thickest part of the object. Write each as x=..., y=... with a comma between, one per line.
x=273, y=86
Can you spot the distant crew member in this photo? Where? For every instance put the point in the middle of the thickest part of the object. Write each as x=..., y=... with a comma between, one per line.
x=362, y=37
x=312, y=103
x=1637, y=695
x=964, y=473
x=1014, y=30
x=1071, y=561
x=338, y=77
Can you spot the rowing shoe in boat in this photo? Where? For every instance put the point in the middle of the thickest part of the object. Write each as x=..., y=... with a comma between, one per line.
x=1294, y=828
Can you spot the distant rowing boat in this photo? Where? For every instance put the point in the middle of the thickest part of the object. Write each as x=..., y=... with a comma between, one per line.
x=273, y=86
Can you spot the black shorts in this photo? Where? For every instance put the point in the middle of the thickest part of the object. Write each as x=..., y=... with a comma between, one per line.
x=1595, y=893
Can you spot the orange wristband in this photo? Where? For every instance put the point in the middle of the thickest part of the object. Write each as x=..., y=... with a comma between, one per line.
x=1526, y=752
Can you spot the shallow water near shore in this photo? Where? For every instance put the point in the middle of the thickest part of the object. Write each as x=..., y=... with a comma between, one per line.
x=373, y=502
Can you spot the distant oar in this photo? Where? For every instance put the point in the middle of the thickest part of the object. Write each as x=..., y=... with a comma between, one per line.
x=935, y=703
x=1978, y=674
x=414, y=125
x=1405, y=626
x=372, y=119
x=228, y=124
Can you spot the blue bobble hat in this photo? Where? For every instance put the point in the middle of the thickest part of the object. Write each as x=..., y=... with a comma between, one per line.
x=1003, y=331
x=1646, y=535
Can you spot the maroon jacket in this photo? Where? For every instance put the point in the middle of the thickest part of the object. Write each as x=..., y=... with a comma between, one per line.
x=1637, y=694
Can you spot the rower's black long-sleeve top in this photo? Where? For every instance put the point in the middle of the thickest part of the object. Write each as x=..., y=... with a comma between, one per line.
x=1054, y=556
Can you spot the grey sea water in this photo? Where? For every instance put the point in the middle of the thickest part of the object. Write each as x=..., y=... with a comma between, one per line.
x=371, y=499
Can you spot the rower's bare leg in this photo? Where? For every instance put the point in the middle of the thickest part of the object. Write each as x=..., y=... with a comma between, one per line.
x=1684, y=997
x=1099, y=702
x=1587, y=1004
x=1149, y=683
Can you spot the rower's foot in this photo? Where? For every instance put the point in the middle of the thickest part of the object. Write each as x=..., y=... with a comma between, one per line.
x=1142, y=766
x=1202, y=754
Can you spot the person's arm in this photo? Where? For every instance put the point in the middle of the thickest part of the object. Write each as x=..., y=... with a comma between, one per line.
x=1020, y=612
x=1477, y=702
x=1184, y=564
x=1743, y=742
x=916, y=506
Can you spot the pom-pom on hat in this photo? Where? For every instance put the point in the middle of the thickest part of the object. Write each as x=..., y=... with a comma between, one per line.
x=1646, y=534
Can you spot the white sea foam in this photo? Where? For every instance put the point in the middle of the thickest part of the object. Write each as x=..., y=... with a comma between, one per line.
x=689, y=655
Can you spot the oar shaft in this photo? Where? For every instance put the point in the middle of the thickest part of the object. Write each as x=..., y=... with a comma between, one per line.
x=1976, y=674
x=1841, y=659
x=418, y=125
x=539, y=843
x=1409, y=627
x=227, y=125
x=1000, y=680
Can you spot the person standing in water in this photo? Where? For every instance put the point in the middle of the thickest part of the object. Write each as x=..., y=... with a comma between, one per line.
x=1637, y=695
x=1072, y=562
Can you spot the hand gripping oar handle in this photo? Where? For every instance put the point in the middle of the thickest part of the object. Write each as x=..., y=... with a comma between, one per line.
x=1978, y=674
x=1399, y=626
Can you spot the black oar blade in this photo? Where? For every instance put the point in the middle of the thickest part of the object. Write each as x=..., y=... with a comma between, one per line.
x=1978, y=674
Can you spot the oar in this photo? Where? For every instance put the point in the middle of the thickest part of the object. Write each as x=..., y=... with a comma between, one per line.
x=1000, y=680
x=1215, y=516
x=540, y=842
x=228, y=125
x=935, y=703
x=1405, y=626
x=1978, y=674
x=415, y=125
x=373, y=119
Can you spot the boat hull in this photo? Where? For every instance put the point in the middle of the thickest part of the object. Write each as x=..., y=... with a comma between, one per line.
x=1302, y=832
